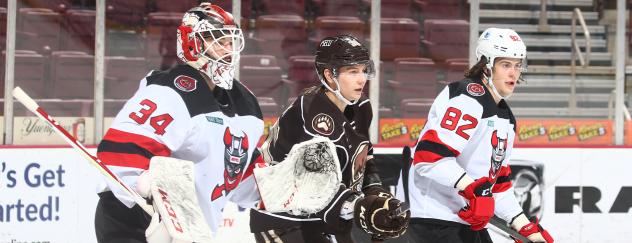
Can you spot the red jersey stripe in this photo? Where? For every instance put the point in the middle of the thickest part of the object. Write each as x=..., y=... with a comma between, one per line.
x=501, y=187
x=426, y=157
x=125, y=160
x=151, y=145
x=423, y=155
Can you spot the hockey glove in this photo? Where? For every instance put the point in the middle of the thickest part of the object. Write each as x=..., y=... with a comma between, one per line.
x=480, y=207
x=531, y=229
x=377, y=216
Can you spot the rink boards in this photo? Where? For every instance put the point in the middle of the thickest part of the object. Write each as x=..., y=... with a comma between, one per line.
x=48, y=194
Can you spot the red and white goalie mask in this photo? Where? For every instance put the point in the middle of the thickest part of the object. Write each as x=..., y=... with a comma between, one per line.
x=210, y=41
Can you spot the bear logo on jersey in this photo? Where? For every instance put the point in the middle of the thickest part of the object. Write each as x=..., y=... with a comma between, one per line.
x=323, y=124
x=235, y=161
x=475, y=89
x=499, y=149
x=184, y=83
x=359, y=164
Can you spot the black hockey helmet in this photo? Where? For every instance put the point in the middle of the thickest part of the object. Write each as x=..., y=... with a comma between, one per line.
x=338, y=51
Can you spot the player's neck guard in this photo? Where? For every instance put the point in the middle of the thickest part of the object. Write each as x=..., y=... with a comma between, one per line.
x=337, y=92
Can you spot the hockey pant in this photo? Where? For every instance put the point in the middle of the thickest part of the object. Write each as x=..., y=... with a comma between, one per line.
x=297, y=234
x=116, y=223
x=436, y=233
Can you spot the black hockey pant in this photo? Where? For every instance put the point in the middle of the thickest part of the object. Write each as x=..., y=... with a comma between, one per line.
x=116, y=223
x=435, y=233
x=299, y=235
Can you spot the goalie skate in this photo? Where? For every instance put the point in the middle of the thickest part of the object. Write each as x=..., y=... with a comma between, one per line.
x=305, y=182
x=173, y=190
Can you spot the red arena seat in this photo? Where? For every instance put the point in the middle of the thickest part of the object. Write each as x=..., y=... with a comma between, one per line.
x=438, y=9
x=302, y=74
x=282, y=36
x=262, y=81
x=126, y=12
x=80, y=25
x=269, y=108
x=275, y=7
x=180, y=6
x=414, y=80
x=337, y=7
x=445, y=39
x=29, y=73
x=326, y=26
x=415, y=108
x=41, y=27
x=399, y=38
x=258, y=60
x=123, y=75
x=72, y=75
x=161, y=49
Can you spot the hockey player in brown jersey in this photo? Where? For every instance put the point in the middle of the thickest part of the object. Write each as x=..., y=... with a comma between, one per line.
x=337, y=110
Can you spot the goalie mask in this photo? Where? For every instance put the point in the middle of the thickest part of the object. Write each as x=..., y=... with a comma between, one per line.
x=209, y=29
x=335, y=52
x=494, y=43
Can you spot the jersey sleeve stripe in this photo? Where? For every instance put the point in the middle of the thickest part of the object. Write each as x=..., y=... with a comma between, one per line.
x=501, y=187
x=123, y=148
x=431, y=149
x=124, y=160
x=152, y=146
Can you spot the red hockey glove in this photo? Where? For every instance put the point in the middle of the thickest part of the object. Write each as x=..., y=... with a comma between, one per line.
x=480, y=207
x=534, y=232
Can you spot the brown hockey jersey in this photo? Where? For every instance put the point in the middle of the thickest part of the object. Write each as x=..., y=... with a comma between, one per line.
x=314, y=114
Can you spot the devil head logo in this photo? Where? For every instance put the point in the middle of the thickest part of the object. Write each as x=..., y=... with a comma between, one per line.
x=235, y=161
x=499, y=149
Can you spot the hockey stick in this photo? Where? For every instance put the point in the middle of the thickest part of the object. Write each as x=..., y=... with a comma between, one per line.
x=495, y=220
x=502, y=225
x=30, y=104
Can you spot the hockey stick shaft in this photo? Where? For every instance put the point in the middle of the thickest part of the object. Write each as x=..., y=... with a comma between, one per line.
x=30, y=104
x=502, y=225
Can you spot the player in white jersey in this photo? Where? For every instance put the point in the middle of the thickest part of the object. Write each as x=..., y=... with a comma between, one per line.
x=459, y=172
x=195, y=112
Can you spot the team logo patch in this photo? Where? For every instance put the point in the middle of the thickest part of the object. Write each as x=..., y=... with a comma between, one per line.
x=184, y=83
x=475, y=89
x=323, y=124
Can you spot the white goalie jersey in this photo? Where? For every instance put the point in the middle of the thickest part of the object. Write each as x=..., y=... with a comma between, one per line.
x=466, y=131
x=175, y=114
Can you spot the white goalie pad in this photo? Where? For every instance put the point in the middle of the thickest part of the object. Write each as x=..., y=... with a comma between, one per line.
x=305, y=182
x=173, y=191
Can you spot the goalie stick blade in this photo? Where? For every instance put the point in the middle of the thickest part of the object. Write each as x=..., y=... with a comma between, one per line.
x=502, y=225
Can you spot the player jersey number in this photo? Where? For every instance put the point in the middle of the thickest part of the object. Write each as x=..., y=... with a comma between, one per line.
x=157, y=122
x=451, y=119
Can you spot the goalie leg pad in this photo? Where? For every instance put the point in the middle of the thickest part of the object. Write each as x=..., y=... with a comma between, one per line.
x=305, y=182
x=173, y=192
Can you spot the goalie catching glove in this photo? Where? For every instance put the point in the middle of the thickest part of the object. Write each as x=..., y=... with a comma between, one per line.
x=480, y=208
x=378, y=216
x=531, y=229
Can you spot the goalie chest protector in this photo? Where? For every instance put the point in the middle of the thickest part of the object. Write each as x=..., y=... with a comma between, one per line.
x=314, y=114
x=175, y=114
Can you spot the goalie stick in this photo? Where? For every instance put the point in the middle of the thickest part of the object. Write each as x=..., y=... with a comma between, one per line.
x=30, y=104
x=495, y=220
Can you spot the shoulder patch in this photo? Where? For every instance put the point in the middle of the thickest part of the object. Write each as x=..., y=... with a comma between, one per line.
x=323, y=124
x=185, y=83
x=475, y=89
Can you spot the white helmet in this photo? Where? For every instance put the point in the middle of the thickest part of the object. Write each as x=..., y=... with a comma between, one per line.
x=210, y=21
x=495, y=43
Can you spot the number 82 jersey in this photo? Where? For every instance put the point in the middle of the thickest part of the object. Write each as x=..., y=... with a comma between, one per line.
x=466, y=132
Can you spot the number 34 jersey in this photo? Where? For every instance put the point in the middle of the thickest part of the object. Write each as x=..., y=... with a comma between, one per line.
x=467, y=132
x=175, y=114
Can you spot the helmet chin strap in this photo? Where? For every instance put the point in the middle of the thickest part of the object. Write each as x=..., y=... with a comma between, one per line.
x=337, y=92
x=490, y=82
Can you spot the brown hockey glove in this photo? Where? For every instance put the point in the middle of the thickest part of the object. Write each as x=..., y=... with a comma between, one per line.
x=377, y=216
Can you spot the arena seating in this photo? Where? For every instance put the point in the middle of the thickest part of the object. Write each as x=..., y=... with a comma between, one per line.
x=123, y=75
x=126, y=12
x=281, y=7
x=262, y=81
x=40, y=27
x=80, y=26
x=282, y=36
x=337, y=7
x=414, y=79
x=3, y=27
x=269, y=108
x=302, y=74
x=179, y=6
x=160, y=42
x=258, y=60
x=246, y=7
x=415, y=108
x=30, y=70
x=326, y=26
x=444, y=39
x=392, y=8
x=438, y=9
x=72, y=75
x=399, y=38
